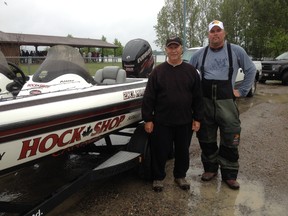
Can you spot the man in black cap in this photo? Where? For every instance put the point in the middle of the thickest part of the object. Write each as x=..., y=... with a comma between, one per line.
x=172, y=110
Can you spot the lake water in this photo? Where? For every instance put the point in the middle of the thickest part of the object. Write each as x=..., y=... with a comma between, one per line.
x=160, y=58
x=157, y=58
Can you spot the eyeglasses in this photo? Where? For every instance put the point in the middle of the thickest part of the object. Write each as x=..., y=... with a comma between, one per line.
x=214, y=31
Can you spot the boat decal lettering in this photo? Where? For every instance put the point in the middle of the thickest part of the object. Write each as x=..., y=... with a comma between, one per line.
x=129, y=69
x=87, y=132
x=1, y=155
x=31, y=85
x=68, y=138
x=67, y=81
x=128, y=95
x=77, y=135
x=133, y=94
x=109, y=124
x=140, y=92
x=38, y=213
x=49, y=142
x=141, y=58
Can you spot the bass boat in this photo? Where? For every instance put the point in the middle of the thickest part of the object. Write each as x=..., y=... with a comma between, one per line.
x=62, y=107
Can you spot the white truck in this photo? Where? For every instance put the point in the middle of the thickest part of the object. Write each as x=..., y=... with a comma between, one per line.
x=240, y=76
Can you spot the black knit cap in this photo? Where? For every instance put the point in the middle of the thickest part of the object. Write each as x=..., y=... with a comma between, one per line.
x=173, y=40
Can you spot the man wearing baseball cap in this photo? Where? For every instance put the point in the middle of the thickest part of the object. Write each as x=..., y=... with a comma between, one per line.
x=173, y=40
x=172, y=109
x=215, y=23
x=219, y=63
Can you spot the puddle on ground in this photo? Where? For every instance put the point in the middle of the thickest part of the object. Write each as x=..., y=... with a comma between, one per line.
x=215, y=198
x=244, y=104
x=272, y=98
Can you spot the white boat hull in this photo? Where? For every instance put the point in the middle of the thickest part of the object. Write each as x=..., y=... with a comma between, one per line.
x=31, y=129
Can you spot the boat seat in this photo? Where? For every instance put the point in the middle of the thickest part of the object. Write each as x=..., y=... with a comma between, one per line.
x=110, y=75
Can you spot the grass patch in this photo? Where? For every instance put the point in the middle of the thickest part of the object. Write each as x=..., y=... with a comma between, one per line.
x=93, y=67
x=30, y=69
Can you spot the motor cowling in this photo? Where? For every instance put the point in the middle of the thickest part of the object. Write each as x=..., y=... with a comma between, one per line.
x=137, y=58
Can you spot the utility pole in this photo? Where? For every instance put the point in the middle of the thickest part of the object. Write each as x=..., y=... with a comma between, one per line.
x=184, y=25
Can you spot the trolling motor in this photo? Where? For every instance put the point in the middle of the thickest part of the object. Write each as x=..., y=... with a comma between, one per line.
x=137, y=58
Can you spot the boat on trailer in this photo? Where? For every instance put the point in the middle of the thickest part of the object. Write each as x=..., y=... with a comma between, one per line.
x=62, y=108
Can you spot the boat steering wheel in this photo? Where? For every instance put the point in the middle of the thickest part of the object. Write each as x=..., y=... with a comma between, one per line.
x=17, y=71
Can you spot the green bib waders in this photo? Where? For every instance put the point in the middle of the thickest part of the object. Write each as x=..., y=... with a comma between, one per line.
x=221, y=113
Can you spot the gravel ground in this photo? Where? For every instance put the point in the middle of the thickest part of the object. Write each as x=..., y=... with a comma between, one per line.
x=263, y=161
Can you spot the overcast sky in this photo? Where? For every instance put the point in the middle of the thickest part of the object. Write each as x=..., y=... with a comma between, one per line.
x=121, y=19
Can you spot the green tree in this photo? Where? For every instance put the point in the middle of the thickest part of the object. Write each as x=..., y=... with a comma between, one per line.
x=259, y=26
x=119, y=50
x=203, y=12
x=271, y=26
x=170, y=21
x=102, y=50
x=106, y=51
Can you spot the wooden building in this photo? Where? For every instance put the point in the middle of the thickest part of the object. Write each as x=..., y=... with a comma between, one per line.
x=10, y=43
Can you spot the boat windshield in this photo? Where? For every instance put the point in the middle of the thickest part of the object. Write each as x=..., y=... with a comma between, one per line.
x=62, y=60
x=4, y=67
x=3, y=61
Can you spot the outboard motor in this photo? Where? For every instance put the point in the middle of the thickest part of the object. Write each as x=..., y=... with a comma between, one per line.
x=137, y=58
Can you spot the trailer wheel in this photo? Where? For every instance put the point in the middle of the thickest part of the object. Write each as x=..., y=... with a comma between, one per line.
x=139, y=143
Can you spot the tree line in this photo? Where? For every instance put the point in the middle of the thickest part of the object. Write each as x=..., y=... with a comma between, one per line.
x=259, y=26
x=105, y=51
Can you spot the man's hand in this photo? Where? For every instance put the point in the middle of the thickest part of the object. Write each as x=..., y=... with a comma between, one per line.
x=195, y=126
x=236, y=93
x=149, y=127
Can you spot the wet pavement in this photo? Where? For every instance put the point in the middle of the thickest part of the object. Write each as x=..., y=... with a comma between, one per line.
x=262, y=176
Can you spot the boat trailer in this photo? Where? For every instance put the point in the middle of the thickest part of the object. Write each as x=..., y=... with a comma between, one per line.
x=134, y=154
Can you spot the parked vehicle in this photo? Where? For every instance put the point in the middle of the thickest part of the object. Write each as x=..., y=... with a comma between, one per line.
x=240, y=76
x=276, y=69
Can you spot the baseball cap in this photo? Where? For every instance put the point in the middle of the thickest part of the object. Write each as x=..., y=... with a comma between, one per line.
x=216, y=23
x=173, y=40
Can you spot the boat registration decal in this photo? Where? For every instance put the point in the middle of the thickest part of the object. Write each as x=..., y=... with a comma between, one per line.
x=133, y=94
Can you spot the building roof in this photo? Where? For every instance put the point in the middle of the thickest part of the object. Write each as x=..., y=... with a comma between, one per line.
x=45, y=40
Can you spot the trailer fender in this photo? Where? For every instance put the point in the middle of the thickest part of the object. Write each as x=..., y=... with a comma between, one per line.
x=139, y=143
